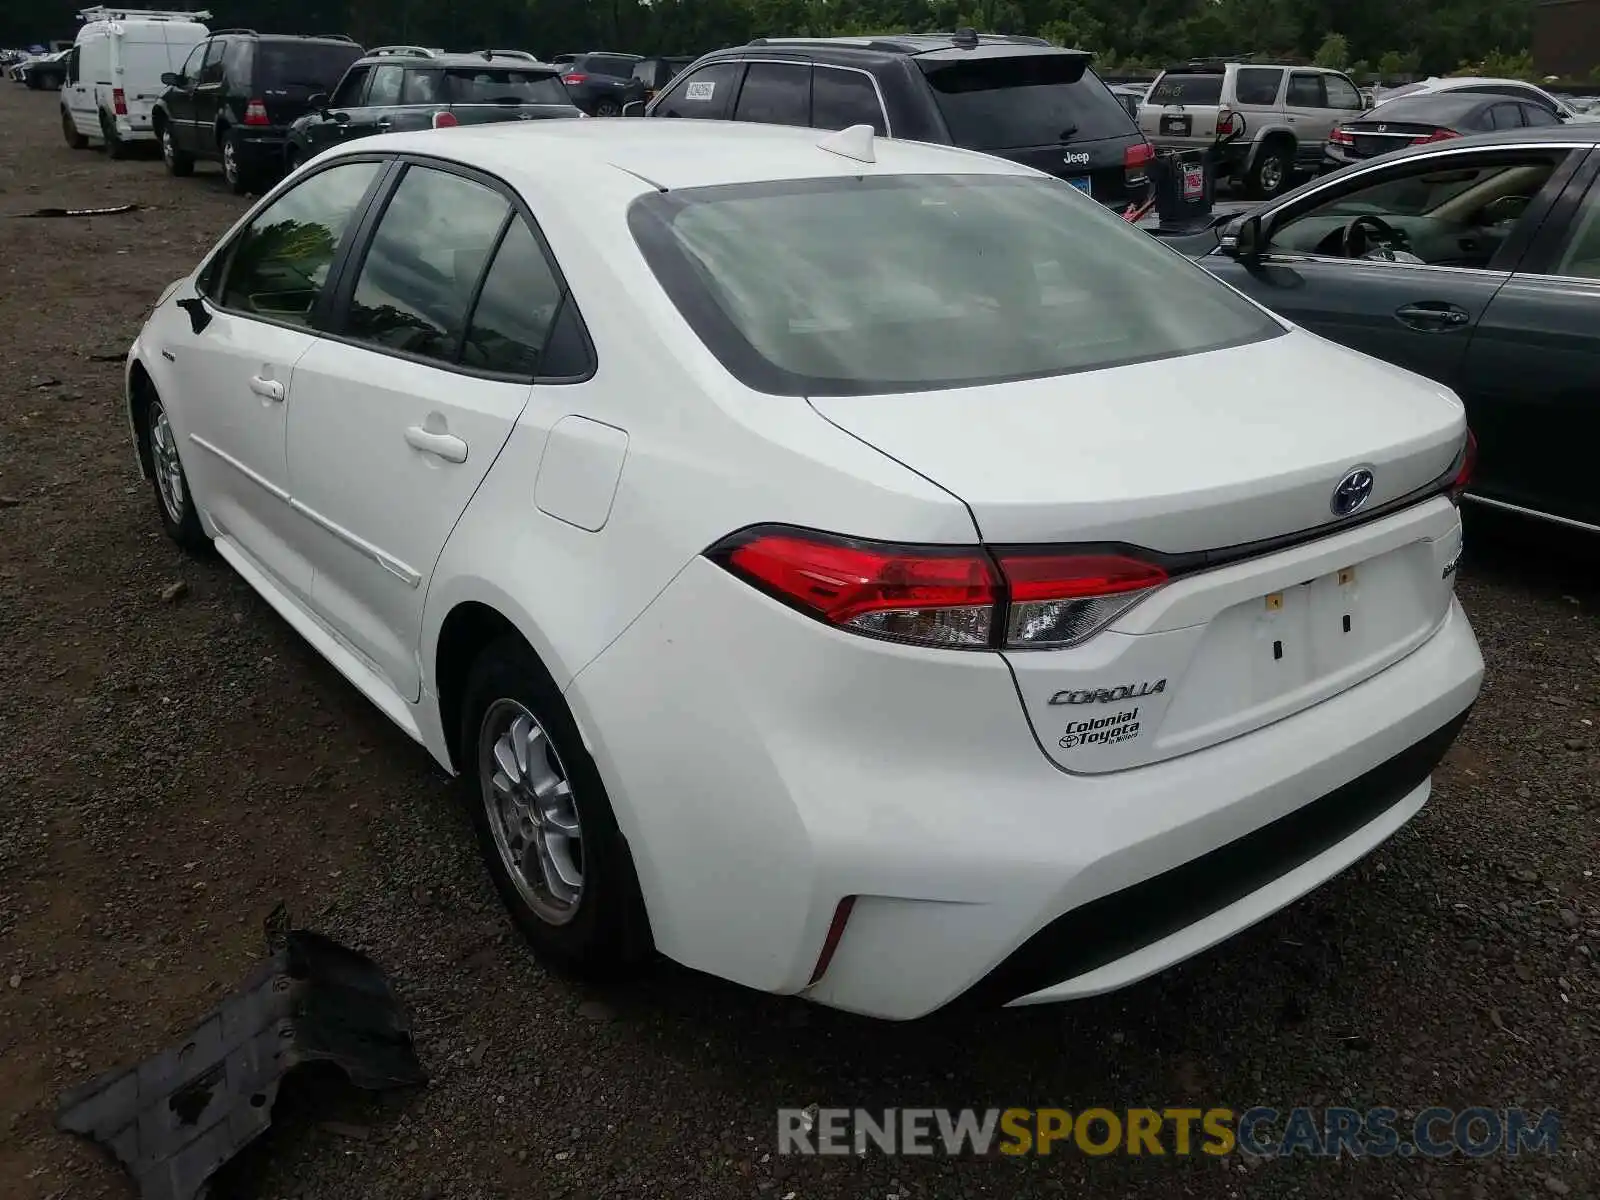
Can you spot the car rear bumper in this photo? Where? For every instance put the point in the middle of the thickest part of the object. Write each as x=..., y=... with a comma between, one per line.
x=262, y=150
x=765, y=767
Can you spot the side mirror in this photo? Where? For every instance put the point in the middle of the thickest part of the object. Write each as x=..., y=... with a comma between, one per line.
x=318, y=101
x=633, y=108
x=1243, y=239
x=172, y=79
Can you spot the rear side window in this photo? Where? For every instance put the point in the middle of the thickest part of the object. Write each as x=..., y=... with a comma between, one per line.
x=280, y=262
x=301, y=68
x=606, y=64
x=427, y=254
x=1031, y=100
x=1505, y=116
x=707, y=94
x=516, y=308
x=1305, y=91
x=1028, y=279
x=840, y=99
x=422, y=87
x=1341, y=92
x=1257, y=85
x=1176, y=87
x=236, y=62
x=474, y=85
x=776, y=94
x=387, y=83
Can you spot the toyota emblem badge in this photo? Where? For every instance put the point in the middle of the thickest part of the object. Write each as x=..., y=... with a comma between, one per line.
x=1353, y=492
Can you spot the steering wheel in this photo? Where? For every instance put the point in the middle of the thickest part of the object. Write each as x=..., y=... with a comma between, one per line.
x=1368, y=233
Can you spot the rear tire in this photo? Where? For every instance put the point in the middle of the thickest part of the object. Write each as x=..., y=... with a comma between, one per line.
x=116, y=148
x=70, y=131
x=607, y=108
x=233, y=168
x=544, y=821
x=178, y=163
x=1272, y=171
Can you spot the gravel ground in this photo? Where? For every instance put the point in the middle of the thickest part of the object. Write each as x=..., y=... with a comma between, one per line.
x=173, y=767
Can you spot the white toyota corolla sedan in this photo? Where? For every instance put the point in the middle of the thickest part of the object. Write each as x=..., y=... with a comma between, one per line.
x=850, y=567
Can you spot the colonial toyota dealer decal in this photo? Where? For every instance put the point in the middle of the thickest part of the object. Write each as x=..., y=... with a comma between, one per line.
x=1101, y=731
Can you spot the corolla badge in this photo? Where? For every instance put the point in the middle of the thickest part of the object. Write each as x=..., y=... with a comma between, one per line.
x=1353, y=492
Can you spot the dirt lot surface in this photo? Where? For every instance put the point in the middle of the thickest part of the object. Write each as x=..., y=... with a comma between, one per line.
x=172, y=768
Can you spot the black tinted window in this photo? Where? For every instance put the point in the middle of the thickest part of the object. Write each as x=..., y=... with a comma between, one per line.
x=211, y=69
x=775, y=93
x=1004, y=103
x=706, y=94
x=422, y=87
x=1305, y=91
x=473, y=85
x=281, y=261
x=386, y=84
x=1505, y=116
x=425, y=259
x=1341, y=92
x=840, y=99
x=236, y=62
x=1538, y=114
x=349, y=92
x=1175, y=87
x=606, y=64
x=302, y=67
x=516, y=309
x=1257, y=85
x=191, y=65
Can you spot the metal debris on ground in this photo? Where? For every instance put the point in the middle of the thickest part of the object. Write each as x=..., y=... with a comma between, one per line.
x=115, y=211
x=176, y=1118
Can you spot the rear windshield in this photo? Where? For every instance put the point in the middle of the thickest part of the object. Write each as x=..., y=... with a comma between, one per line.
x=1174, y=88
x=606, y=64
x=477, y=85
x=1032, y=100
x=976, y=279
x=302, y=66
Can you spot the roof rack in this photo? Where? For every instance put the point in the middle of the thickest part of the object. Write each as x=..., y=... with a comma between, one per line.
x=400, y=52
x=528, y=55
x=334, y=37
x=240, y=29
x=101, y=12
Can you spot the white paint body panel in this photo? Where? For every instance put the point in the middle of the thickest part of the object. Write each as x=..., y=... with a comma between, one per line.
x=131, y=55
x=761, y=764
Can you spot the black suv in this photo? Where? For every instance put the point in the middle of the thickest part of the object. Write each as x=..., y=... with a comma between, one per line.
x=1017, y=97
x=236, y=96
x=600, y=82
x=389, y=93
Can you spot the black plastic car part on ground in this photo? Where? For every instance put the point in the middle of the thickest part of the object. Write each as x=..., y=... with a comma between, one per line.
x=395, y=93
x=602, y=82
x=1016, y=97
x=237, y=95
x=174, y=1119
x=1472, y=261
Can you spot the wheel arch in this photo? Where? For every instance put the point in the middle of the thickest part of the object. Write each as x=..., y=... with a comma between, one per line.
x=141, y=390
x=1275, y=136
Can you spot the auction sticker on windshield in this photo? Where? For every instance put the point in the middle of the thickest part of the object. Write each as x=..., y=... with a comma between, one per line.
x=700, y=89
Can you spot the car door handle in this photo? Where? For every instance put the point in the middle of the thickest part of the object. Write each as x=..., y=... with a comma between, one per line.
x=385, y=123
x=267, y=389
x=445, y=445
x=1432, y=315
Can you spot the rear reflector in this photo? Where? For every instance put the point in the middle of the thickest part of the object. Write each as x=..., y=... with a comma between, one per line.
x=575, y=77
x=1137, y=156
x=954, y=597
x=119, y=102
x=1468, y=464
x=255, y=113
x=841, y=916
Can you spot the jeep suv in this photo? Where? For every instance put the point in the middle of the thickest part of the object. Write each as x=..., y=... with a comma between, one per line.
x=1282, y=115
x=391, y=93
x=237, y=95
x=1016, y=97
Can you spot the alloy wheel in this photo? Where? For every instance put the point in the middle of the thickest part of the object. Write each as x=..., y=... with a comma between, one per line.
x=167, y=151
x=230, y=161
x=532, y=815
x=1271, y=175
x=164, y=461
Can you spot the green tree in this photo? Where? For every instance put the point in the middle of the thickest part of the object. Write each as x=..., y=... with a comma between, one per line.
x=1334, y=52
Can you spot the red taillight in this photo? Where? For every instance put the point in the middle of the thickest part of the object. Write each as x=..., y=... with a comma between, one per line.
x=1225, y=120
x=445, y=120
x=575, y=77
x=963, y=598
x=119, y=102
x=1137, y=156
x=830, y=943
x=1438, y=135
x=1342, y=137
x=1468, y=464
x=255, y=113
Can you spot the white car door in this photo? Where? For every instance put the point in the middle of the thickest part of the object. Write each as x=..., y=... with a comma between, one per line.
x=77, y=93
x=396, y=420
x=235, y=363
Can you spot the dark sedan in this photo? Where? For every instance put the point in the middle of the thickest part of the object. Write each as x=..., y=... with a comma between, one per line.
x=1430, y=117
x=1473, y=261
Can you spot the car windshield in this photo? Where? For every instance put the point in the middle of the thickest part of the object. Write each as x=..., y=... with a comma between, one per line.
x=477, y=85
x=1024, y=100
x=976, y=279
x=303, y=66
x=1175, y=87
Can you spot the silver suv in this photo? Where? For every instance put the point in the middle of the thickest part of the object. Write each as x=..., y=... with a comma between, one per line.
x=1283, y=116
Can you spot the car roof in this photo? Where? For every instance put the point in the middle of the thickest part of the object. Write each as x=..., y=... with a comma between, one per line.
x=921, y=45
x=499, y=61
x=1434, y=105
x=670, y=155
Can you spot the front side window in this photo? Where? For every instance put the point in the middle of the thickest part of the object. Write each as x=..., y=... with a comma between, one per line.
x=211, y=67
x=422, y=87
x=840, y=99
x=1341, y=92
x=350, y=87
x=516, y=308
x=191, y=65
x=707, y=94
x=384, y=90
x=1030, y=100
x=1456, y=215
x=1305, y=91
x=279, y=264
x=416, y=283
x=1257, y=85
x=977, y=279
x=475, y=85
x=776, y=94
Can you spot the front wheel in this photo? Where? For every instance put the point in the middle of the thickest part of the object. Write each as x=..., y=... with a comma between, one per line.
x=174, y=501
x=544, y=822
x=178, y=163
x=69, y=130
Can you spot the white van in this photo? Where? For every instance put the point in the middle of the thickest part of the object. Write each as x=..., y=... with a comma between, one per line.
x=114, y=72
